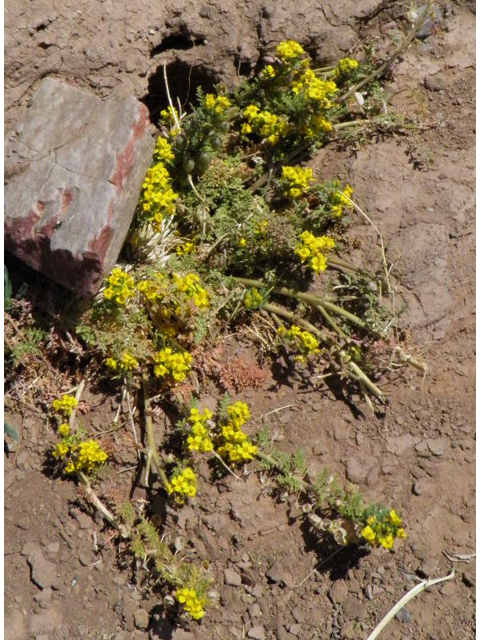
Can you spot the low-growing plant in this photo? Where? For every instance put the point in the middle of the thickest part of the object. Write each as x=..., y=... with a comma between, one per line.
x=232, y=233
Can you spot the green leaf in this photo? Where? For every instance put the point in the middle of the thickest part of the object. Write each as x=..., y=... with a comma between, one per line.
x=8, y=429
x=7, y=290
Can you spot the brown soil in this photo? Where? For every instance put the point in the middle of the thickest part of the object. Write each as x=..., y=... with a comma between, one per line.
x=418, y=456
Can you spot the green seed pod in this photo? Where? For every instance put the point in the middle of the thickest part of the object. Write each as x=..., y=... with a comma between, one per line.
x=188, y=165
x=216, y=143
x=180, y=141
x=202, y=164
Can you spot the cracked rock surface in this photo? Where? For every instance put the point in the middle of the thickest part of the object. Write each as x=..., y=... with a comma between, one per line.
x=74, y=168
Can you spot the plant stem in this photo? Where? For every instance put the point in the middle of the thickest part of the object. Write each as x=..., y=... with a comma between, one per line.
x=152, y=452
x=354, y=370
x=403, y=46
x=403, y=601
x=314, y=301
x=98, y=504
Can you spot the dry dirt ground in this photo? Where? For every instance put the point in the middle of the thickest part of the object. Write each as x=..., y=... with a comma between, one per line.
x=419, y=455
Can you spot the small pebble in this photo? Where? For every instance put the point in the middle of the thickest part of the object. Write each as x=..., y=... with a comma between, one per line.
x=232, y=578
x=257, y=632
x=404, y=616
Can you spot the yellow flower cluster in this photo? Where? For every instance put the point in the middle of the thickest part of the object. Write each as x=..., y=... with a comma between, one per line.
x=163, y=151
x=154, y=289
x=313, y=249
x=83, y=456
x=383, y=531
x=168, y=117
x=199, y=439
x=236, y=447
x=218, y=104
x=253, y=299
x=127, y=363
x=296, y=181
x=289, y=50
x=191, y=601
x=344, y=66
x=183, y=484
x=189, y=284
x=65, y=405
x=64, y=430
x=158, y=197
x=172, y=364
x=265, y=123
x=268, y=73
x=341, y=199
x=314, y=89
x=304, y=341
x=120, y=287
x=187, y=247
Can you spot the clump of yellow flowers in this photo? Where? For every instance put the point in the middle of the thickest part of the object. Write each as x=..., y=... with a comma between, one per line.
x=172, y=364
x=158, y=198
x=340, y=200
x=234, y=445
x=312, y=250
x=381, y=531
x=218, y=104
x=345, y=66
x=303, y=341
x=253, y=299
x=296, y=181
x=120, y=287
x=183, y=484
x=125, y=364
x=199, y=438
x=190, y=286
x=78, y=455
x=65, y=405
x=265, y=123
x=192, y=602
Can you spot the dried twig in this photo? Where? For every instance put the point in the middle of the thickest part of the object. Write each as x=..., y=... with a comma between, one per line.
x=425, y=584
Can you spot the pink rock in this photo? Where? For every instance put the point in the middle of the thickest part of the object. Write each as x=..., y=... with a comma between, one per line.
x=74, y=169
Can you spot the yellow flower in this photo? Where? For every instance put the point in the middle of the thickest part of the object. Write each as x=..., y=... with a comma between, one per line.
x=369, y=534
x=64, y=430
x=65, y=405
x=111, y=362
x=289, y=50
x=394, y=518
x=194, y=605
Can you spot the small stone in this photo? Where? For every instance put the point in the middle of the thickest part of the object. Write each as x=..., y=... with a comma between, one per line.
x=43, y=572
x=448, y=589
x=357, y=471
x=22, y=460
x=353, y=609
x=338, y=592
x=298, y=614
x=295, y=629
x=399, y=445
x=468, y=579
x=257, y=591
x=141, y=619
x=423, y=486
x=53, y=547
x=48, y=621
x=438, y=446
x=83, y=520
x=23, y=522
x=254, y=610
x=278, y=575
x=232, y=578
x=404, y=616
x=428, y=567
x=257, y=632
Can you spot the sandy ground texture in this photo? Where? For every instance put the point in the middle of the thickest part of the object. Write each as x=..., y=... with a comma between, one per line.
x=63, y=577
